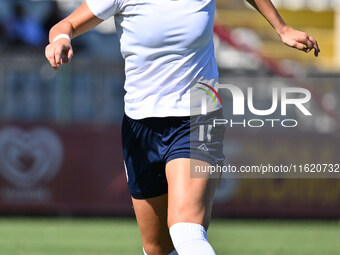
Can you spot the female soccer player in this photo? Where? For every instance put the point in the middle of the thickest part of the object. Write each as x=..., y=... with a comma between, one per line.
x=168, y=48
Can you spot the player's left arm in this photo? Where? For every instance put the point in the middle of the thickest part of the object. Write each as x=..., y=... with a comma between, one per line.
x=289, y=36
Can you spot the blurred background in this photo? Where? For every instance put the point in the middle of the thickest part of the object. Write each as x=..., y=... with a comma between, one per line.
x=60, y=149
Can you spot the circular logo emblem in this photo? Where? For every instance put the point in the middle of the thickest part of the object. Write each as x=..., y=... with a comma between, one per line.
x=29, y=157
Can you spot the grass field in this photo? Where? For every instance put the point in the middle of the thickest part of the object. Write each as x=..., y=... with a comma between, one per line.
x=25, y=236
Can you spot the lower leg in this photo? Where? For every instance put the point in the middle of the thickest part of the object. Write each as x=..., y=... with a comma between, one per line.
x=151, y=217
x=189, y=207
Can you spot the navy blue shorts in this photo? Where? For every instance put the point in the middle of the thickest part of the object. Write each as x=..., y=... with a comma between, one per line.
x=148, y=144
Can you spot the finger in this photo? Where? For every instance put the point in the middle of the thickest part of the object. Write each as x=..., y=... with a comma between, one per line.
x=51, y=59
x=70, y=54
x=308, y=43
x=57, y=55
x=315, y=46
x=315, y=43
x=52, y=63
x=49, y=53
x=67, y=56
x=299, y=46
x=49, y=56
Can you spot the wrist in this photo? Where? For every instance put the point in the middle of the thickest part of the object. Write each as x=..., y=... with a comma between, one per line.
x=60, y=36
x=282, y=29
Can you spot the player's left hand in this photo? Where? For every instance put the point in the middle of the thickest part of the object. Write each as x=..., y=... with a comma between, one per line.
x=299, y=40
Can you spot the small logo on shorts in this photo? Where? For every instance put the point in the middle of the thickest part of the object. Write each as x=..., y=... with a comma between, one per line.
x=203, y=148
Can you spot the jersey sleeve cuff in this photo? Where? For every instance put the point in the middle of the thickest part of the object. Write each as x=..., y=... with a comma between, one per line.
x=97, y=10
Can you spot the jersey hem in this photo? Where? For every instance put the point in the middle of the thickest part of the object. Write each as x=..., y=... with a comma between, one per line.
x=175, y=114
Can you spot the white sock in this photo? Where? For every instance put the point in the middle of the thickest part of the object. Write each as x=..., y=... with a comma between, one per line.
x=174, y=252
x=190, y=238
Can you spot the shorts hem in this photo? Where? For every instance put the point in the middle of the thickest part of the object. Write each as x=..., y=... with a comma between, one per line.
x=177, y=155
x=136, y=195
x=193, y=155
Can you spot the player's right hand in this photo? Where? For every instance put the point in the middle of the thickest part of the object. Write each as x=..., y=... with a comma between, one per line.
x=59, y=52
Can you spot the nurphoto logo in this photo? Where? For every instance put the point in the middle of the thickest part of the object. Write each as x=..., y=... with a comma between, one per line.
x=282, y=98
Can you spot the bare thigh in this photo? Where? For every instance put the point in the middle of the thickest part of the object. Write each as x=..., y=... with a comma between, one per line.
x=151, y=217
x=189, y=199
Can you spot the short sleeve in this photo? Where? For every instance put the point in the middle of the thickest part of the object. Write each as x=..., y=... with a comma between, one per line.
x=104, y=9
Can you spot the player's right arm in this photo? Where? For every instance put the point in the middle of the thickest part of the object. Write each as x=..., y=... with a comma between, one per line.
x=80, y=21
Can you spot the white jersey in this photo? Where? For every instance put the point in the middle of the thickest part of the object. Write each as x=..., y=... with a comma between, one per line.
x=167, y=45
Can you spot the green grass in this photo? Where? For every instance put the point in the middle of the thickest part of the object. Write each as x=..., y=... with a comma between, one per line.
x=25, y=236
